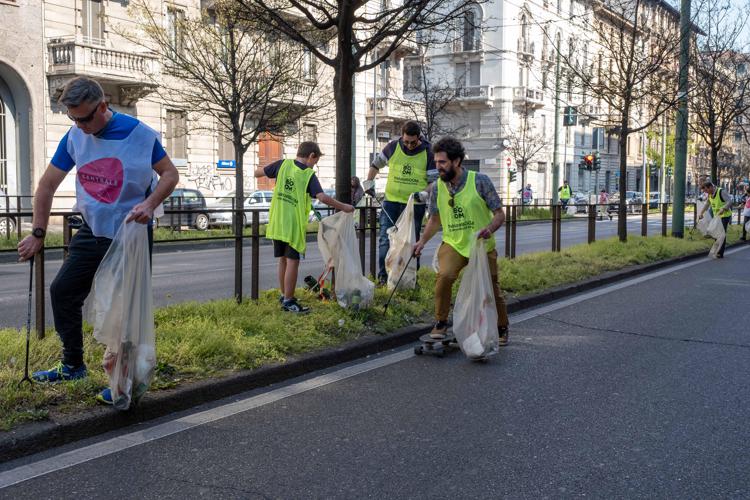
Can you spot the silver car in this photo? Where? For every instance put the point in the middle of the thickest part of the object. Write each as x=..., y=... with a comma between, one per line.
x=257, y=199
x=7, y=223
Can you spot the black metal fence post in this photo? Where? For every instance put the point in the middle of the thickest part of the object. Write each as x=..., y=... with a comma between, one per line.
x=554, y=227
x=508, y=223
x=255, y=257
x=18, y=222
x=373, y=239
x=559, y=228
x=695, y=214
x=362, y=233
x=644, y=219
x=513, y=233
x=39, y=292
x=592, y=223
x=664, y=210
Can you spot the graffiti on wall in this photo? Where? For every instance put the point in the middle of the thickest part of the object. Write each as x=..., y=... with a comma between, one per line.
x=205, y=177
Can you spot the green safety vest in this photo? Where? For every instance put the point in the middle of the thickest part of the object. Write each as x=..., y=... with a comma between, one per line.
x=565, y=193
x=468, y=215
x=717, y=204
x=406, y=175
x=290, y=206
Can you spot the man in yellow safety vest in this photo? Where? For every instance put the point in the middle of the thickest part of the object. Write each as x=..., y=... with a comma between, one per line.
x=721, y=205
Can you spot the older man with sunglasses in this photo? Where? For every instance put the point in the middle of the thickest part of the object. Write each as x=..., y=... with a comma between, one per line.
x=465, y=204
x=116, y=156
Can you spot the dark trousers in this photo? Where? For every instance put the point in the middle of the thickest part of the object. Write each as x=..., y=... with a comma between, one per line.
x=72, y=285
x=725, y=222
x=394, y=210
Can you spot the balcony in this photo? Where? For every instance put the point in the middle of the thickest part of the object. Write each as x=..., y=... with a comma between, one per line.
x=525, y=50
x=588, y=113
x=394, y=110
x=129, y=71
x=524, y=97
x=475, y=96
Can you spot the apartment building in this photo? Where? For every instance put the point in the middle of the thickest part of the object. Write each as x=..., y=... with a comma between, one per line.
x=47, y=42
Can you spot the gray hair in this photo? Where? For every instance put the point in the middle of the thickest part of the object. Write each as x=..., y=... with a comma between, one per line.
x=80, y=90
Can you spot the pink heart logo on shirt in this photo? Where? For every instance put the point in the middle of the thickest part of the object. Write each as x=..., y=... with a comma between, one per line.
x=102, y=179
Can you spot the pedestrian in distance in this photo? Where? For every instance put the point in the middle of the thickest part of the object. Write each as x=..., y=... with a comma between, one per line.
x=527, y=195
x=746, y=214
x=410, y=168
x=116, y=156
x=463, y=203
x=721, y=204
x=296, y=185
x=564, y=193
x=603, y=201
x=357, y=192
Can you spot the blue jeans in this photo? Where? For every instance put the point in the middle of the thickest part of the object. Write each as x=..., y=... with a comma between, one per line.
x=394, y=210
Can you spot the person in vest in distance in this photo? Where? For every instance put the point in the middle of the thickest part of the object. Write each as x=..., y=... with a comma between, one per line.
x=721, y=204
x=410, y=168
x=116, y=156
x=463, y=203
x=296, y=185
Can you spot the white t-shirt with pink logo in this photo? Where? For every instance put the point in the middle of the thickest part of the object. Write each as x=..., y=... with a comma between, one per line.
x=112, y=176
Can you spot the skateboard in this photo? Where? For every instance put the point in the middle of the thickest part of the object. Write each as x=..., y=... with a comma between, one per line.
x=436, y=347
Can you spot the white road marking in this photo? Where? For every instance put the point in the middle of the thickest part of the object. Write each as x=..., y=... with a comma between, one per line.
x=117, y=444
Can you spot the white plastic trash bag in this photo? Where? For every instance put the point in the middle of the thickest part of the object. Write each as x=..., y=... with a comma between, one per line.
x=702, y=224
x=572, y=209
x=475, y=313
x=337, y=241
x=123, y=314
x=402, y=239
x=716, y=230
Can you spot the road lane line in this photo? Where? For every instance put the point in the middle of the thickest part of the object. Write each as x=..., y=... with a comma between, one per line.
x=137, y=438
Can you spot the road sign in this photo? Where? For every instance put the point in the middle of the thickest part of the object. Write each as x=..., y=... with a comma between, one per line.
x=570, y=116
x=226, y=164
x=508, y=162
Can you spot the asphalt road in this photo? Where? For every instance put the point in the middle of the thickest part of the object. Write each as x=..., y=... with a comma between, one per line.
x=637, y=390
x=202, y=275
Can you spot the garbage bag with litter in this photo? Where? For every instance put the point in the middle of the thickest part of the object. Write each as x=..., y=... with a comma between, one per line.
x=702, y=224
x=716, y=231
x=337, y=241
x=475, y=312
x=123, y=315
x=402, y=239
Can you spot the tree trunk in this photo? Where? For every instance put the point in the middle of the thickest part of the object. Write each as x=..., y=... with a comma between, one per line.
x=523, y=182
x=622, y=220
x=239, y=204
x=343, y=86
x=715, y=165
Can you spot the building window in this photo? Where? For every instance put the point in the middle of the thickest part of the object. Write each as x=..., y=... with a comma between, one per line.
x=308, y=65
x=92, y=21
x=472, y=20
x=176, y=135
x=460, y=76
x=309, y=132
x=226, y=147
x=175, y=20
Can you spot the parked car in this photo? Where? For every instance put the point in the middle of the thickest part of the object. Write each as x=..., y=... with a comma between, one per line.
x=184, y=199
x=581, y=201
x=633, y=200
x=654, y=199
x=256, y=199
x=7, y=223
x=321, y=208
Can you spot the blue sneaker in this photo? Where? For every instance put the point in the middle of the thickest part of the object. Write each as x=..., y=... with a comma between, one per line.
x=60, y=373
x=105, y=397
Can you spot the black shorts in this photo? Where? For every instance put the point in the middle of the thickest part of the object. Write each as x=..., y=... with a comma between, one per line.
x=284, y=249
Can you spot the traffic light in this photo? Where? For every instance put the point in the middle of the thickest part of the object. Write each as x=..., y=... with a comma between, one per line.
x=597, y=161
x=669, y=170
x=653, y=168
x=589, y=160
x=512, y=174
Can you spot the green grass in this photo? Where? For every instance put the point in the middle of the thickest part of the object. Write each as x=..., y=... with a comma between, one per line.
x=199, y=340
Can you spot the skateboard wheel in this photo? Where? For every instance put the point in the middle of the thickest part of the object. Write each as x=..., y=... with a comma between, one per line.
x=440, y=354
x=418, y=350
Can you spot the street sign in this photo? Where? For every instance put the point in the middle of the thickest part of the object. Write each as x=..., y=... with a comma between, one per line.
x=226, y=164
x=508, y=162
x=570, y=116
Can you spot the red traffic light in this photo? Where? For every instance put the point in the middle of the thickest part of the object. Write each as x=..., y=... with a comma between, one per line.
x=589, y=158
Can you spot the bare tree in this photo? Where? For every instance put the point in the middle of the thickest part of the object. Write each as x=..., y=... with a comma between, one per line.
x=363, y=37
x=233, y=71
x=632, y=72
x=721, y=79
x=525, y=142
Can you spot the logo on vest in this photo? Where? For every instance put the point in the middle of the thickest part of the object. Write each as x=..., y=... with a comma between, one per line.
x=102, y=179
x=406, y=169
x=458, y=213
x=289, y=184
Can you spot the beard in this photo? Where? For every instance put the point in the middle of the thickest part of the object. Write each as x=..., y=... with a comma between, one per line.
x=448, y=175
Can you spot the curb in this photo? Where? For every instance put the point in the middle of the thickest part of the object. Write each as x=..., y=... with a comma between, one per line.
x=38, y=436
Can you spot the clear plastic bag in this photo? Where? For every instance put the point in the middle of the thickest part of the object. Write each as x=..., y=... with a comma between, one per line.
x=716, y=230
x=475, y=312
x=338, y=246
x=702, y=224
x=571, y=210
x=123, y=315
x=402, y=240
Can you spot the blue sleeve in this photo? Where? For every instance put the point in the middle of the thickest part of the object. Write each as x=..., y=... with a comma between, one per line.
x=158, y=153
x=314, y=187
x=272, y=169
x=62, y=158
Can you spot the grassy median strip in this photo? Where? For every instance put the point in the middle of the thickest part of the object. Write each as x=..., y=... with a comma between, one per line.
x=211, y=339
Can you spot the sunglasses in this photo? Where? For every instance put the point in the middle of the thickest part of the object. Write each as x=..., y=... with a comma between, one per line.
x=451, y=200
x=411, y=143
x=88, y=117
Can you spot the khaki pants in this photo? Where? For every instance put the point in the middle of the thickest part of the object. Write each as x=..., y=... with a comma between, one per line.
x=450, y=264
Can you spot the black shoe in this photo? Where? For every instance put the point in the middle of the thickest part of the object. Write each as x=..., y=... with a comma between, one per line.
x=292, y=305
x=382, y=280
x=502, y=332
x=440, y=330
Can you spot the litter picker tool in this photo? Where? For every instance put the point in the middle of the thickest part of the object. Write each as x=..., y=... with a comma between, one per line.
x=385, y=309
x=26, y=377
